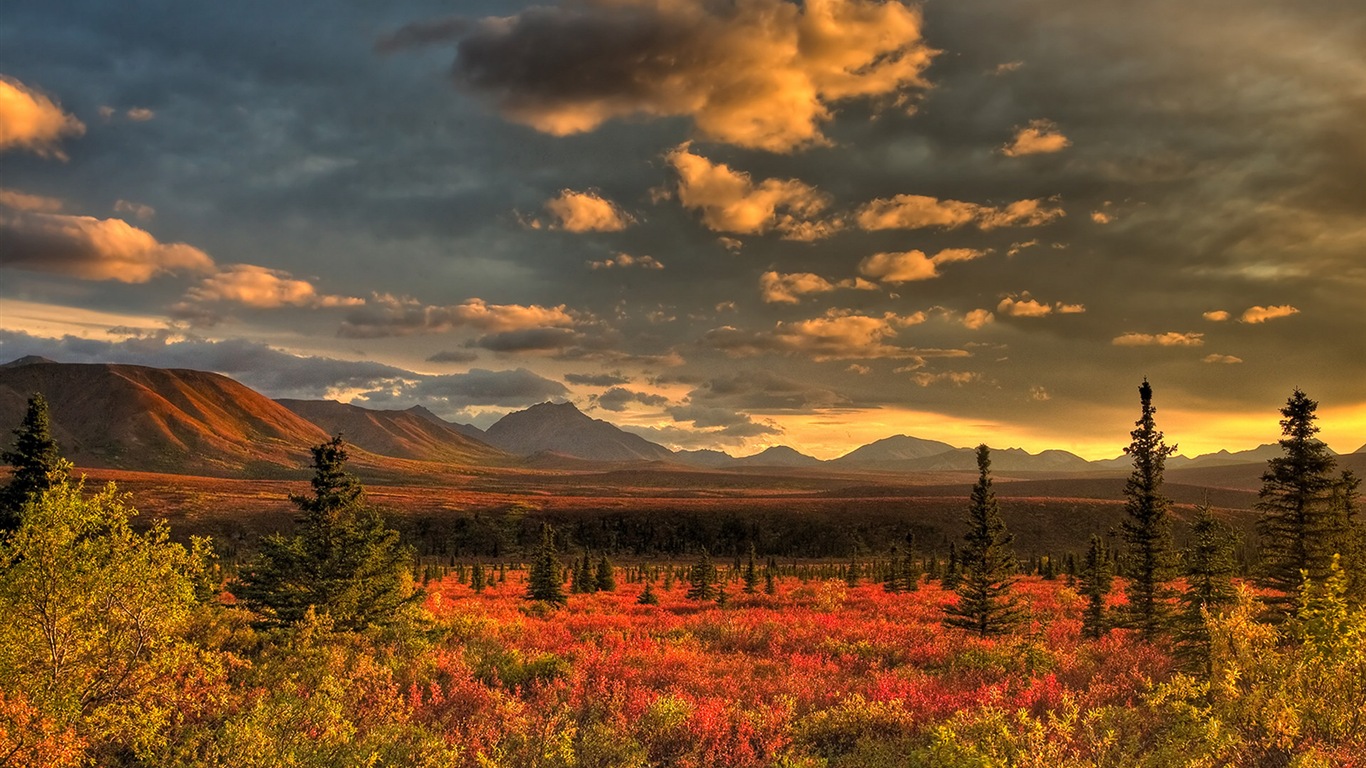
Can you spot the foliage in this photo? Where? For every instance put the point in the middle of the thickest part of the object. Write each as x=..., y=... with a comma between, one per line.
x=1147, y=527
x=1094, y=582
x=544, y=581
x=988, y=565
x=37, y=461
x=345, y=561
x=1209, y=584
x=97, y=617
x=702, y=579
x=1300, y=527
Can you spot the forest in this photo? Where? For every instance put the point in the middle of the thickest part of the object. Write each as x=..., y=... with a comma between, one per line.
x=351, y=640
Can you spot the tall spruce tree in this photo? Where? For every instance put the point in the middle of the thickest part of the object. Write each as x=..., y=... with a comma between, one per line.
x=543, y=582
x=1147, y=526
x=985, y=605
x=1300, y=527
x=38, y=463
x=1096, y=579
x=1209, y=585
x=344, y=561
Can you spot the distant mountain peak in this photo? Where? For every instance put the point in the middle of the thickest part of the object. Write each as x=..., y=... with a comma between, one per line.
x=28, y=360
x=563, y=428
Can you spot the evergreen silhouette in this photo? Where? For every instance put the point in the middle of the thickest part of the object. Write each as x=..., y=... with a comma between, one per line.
x=344, y=561
x=751, y=573
x=477, y=580
x=988, y=565
x=1300, y=527
x=648, y=596
x=38, y=463
x=1209, y=585
x=1095, y=581
x=605, y=580
x=702, y=579
x=543, y=583
x=1147, y=526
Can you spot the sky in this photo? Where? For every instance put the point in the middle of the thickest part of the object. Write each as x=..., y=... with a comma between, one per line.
x=722, y=225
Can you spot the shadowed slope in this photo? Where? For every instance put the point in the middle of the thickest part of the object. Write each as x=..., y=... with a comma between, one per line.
x=402, y=434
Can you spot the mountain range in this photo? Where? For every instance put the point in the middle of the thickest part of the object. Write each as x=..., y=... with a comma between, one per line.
x=195, y=422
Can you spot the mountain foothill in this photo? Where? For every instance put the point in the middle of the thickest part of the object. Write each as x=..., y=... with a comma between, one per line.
x=179, y=421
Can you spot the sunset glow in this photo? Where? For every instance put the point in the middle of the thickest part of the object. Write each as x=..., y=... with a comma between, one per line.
x=717, y=225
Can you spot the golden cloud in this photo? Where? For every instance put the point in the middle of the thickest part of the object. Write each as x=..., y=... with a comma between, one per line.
x=978, y=318
x=837, y=335
x=730, y=201
x=390, y=316
x=1037, y=138
x=1216, y=316
x=1262, y=314
x=624, y=260
x=1170, y=339
x=921, y=211
x=912, y=265
x=30, y=120
x=92, y=249
x=761, y=74
x=778, y=288
x=586, y=212
x=1223, y=359
x=23, y=201
x=264, y=288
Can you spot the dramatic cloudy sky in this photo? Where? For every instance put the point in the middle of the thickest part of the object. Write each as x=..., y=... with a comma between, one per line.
x=721, y=224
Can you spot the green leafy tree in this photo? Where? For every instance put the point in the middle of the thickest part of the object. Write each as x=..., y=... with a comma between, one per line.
x=37, y=461
x=1096, y=579
x=1209, y=586
x=344, y=562
x=985, y=605
x=605, y=578
x=1300, y=527
x=702, y=579
x=97, y=624
x=1147, y=525
x=543, y=583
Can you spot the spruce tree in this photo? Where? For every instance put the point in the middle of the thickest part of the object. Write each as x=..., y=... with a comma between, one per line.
x=702, y=579
x=543, y=581
x=891, y=580
x=985, y=605
x=1147, y=526
x=1209, y=585
x=1096, y=578
x=38, y=464
x=1300, y=527
x=851, y=574
x=344, y=561
x=910, y=574
x=477, y=579
x=952, y=575
x=770, y=583
x=605, y=579
x=751, y=573
x=647, y=595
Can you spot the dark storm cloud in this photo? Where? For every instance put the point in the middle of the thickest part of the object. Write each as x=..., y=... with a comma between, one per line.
x=617, y=398
x=596, y=379
x=529, y=340
x=477, y=387
x=454, y=356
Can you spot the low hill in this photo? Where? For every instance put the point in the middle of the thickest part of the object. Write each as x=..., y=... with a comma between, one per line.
x=170, y=420
x=778, y=456
x=888, y=452
x=401, y=434
x=564, y=429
